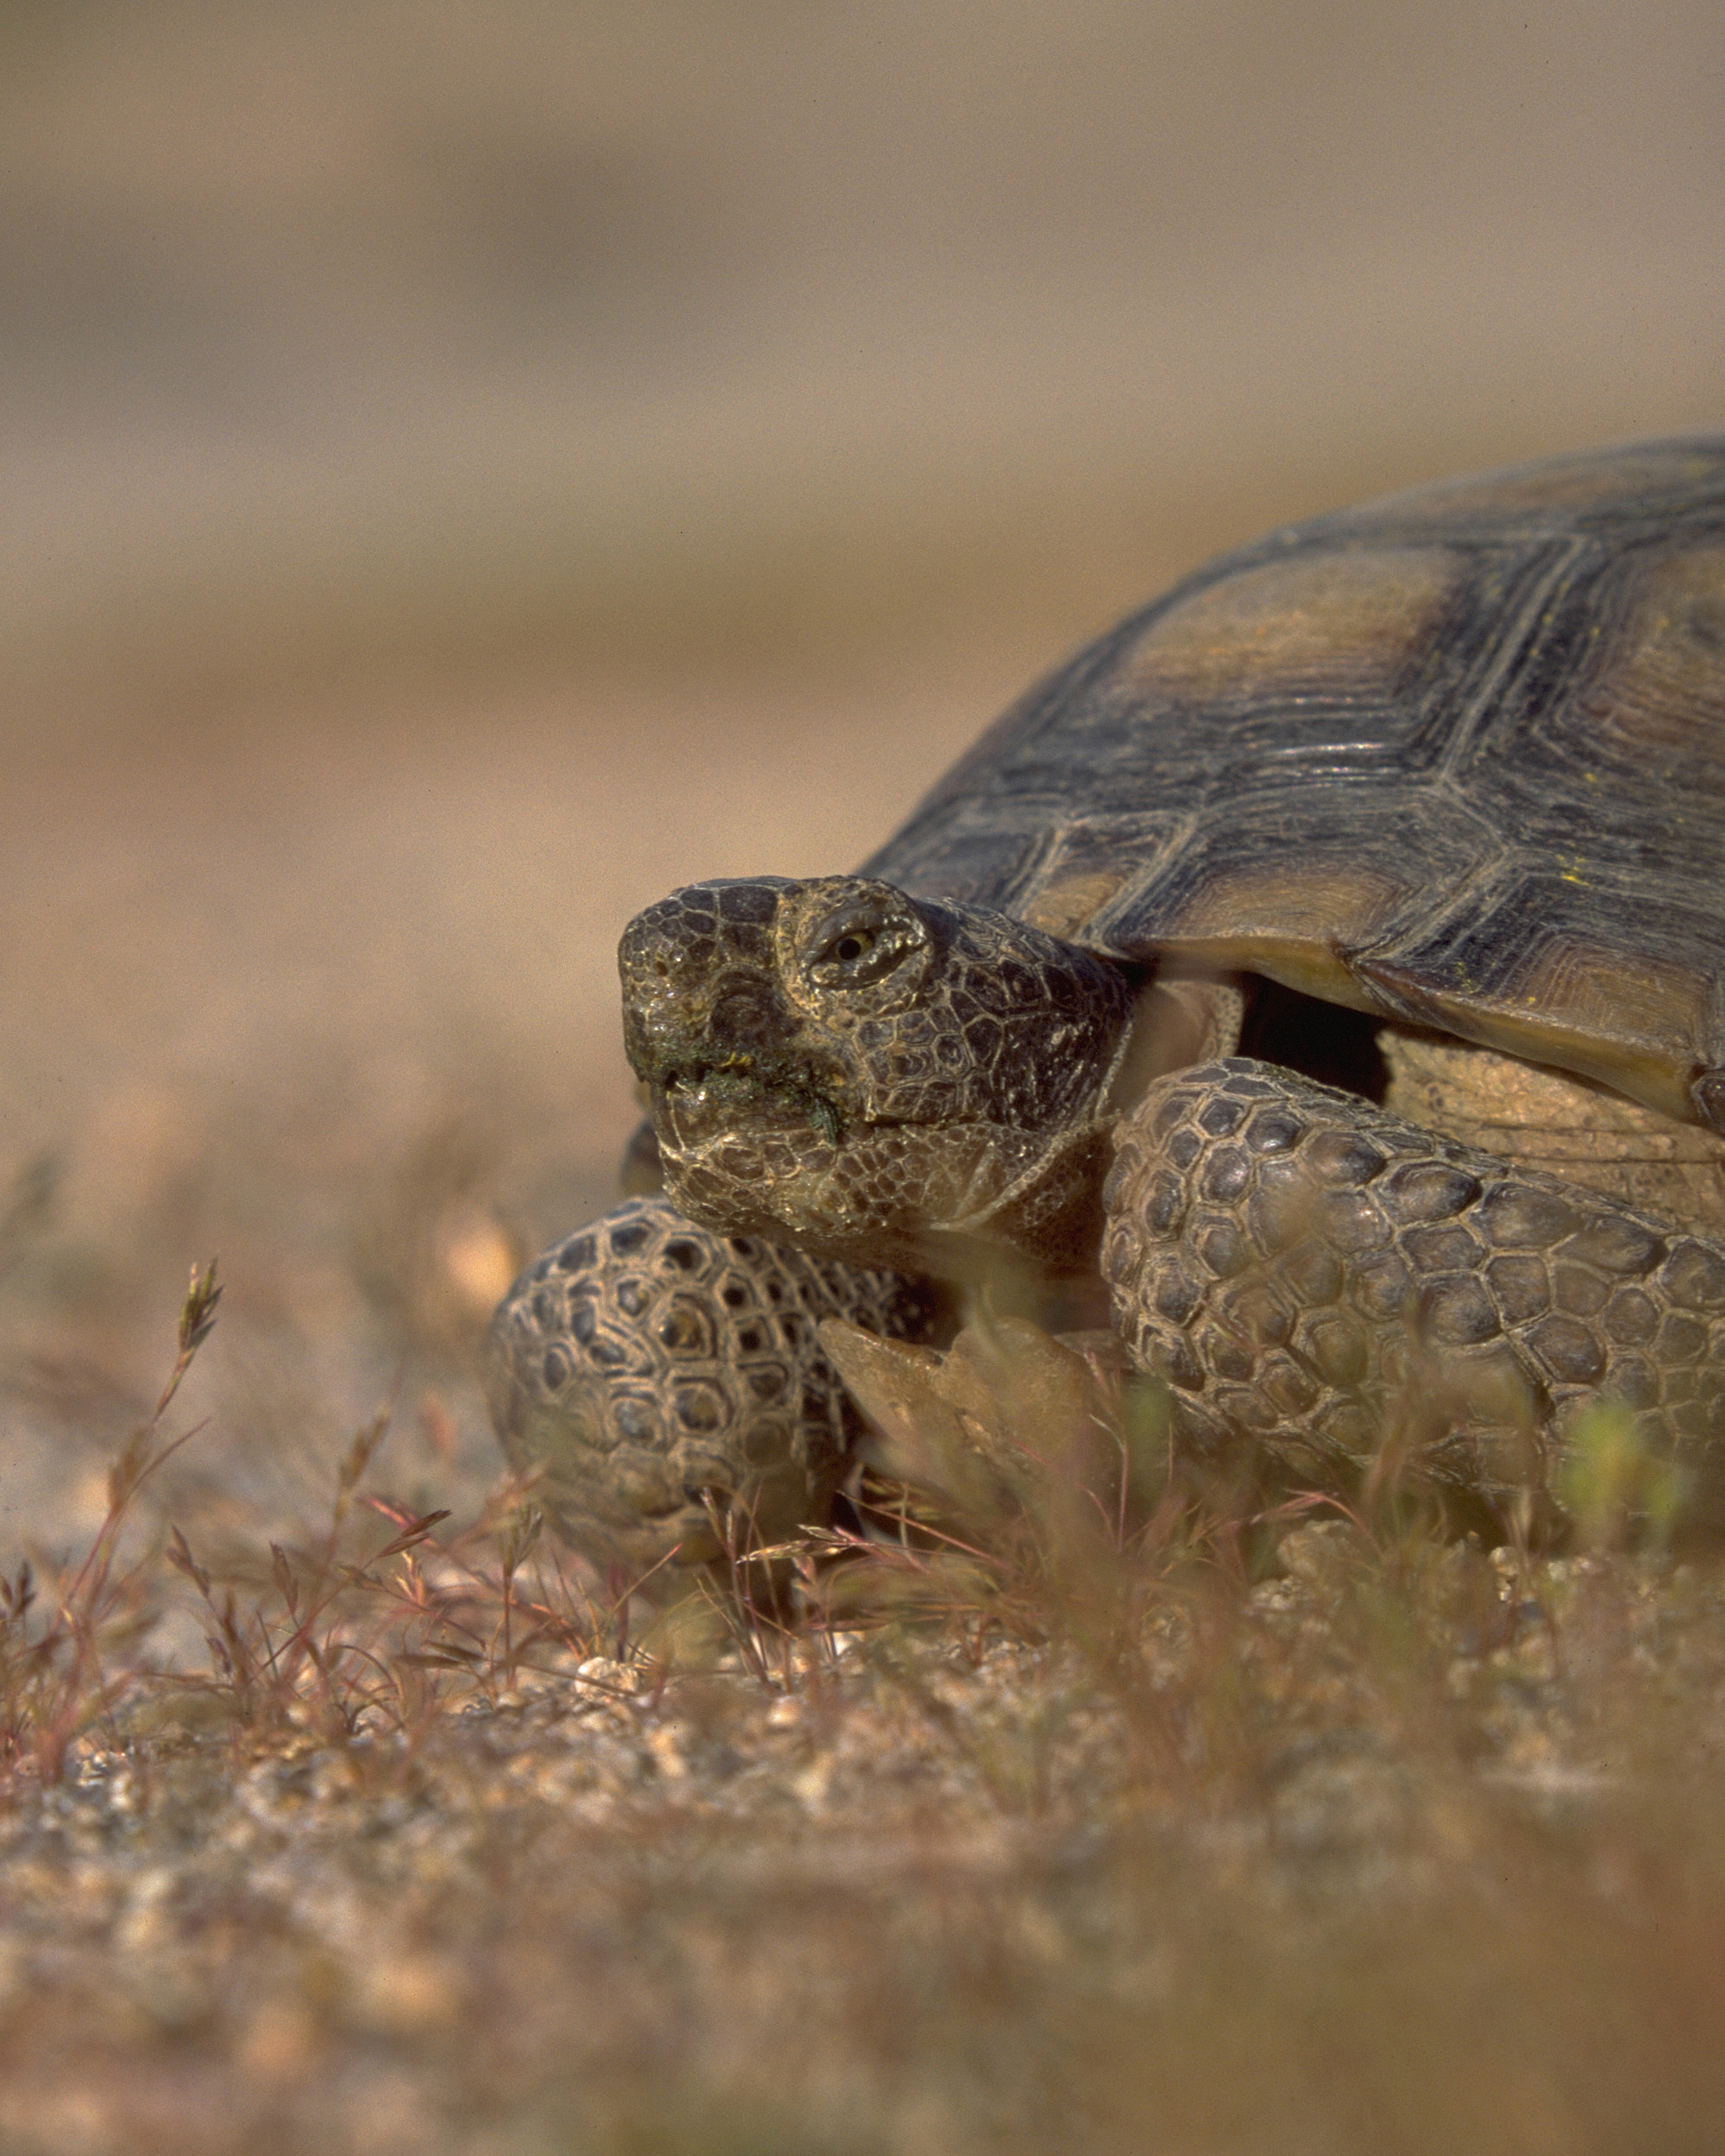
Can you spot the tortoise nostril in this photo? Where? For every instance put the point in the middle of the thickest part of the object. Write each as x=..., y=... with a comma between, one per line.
x=748, y=1014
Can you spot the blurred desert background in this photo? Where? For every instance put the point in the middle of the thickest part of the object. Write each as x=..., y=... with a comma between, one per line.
x=467, y=468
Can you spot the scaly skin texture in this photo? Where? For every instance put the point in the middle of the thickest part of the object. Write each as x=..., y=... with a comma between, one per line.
x=1322, y=1276
x=898, y=1083
x=884, y=1080
x=649, y=1371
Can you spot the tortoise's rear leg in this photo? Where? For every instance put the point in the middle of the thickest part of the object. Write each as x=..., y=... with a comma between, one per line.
x=1323, y=1280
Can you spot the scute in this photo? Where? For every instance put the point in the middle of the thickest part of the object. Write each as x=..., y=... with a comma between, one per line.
x=1341, y=626
x=1457, y=757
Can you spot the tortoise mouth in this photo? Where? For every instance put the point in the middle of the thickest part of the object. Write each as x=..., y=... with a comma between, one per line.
x=701, y=1102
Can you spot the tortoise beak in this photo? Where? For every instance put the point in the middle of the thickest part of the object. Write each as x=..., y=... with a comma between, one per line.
x=706, y=1023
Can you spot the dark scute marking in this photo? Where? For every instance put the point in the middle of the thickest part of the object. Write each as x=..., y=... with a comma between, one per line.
x=698, y=1406
x=816, y=1404
x=542, y=1307
x=685, y=1330
x=583, y=1319
x=747, y=902
x=1581, y=1293
x=1165, y=1204
x=635, y=1418
x=1568, y=1348
x=1458, y=1312
x=1183, y=1367
x=1349, y=1221
x=576, y=1256
x=1274, y=1130
x=751, y=1338
x=1695, y=1276
x=733, y=1295
x=1314, y=1273
x=1277, y=1216
x=628, y=1235
x=1450, y=1249
x=1681, y=1340
x=1228, y=1356
x=984, y=1037
x=1245, y=1407
x=1183, y=1148
x=1119, y=1254
x=1519, y=1286
x=796, y=1328
x=745, y=1245
x=611, y=1354
x=1176, y=1295
x=1428, y=1190
x=1227, y=1173
x=1254, y=1310
x=767, y=1381
x=1115, y=1182
x=633, y=1297
x=1616, y=1245
x=1382, y=1286
x=555, y=1369
x=681, y=1254
x=1635, y=1384
x=1516, y=1216
x=1287, y=1389
x=1341, y=1157
x=1632, y=1318
x=1351, y=1430
x=1224, y=1249
x=1339, y=1348
x=1221, y=1117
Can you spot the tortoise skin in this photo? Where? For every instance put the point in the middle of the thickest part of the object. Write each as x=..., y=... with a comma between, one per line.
x=1321, y=1275
x=1455, y=759
x=652, y=1377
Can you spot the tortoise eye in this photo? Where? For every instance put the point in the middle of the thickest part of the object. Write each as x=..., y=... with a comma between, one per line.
x=855, y=946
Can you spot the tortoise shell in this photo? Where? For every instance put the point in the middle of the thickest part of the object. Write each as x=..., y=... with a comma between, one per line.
x=1456, y=758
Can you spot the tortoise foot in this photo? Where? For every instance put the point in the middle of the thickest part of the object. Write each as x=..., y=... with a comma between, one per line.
x=1324, y=1281
x=665, y=1388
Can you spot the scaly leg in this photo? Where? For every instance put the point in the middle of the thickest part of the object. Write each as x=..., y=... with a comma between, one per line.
x=652, y=1373
x=1320, y=1279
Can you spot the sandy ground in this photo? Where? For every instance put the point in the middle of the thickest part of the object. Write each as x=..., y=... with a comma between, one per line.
x=467, y=470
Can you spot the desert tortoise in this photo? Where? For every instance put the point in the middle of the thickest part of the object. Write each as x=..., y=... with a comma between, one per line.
x=1329, y=957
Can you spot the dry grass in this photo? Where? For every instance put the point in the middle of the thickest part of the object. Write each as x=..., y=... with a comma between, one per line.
x=1143, y=1825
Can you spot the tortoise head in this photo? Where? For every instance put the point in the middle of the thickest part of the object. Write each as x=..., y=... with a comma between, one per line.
x=887, y=1079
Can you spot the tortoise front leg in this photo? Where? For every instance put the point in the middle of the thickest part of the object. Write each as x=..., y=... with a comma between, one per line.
x=1338, y=1288
x=661, y=1382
